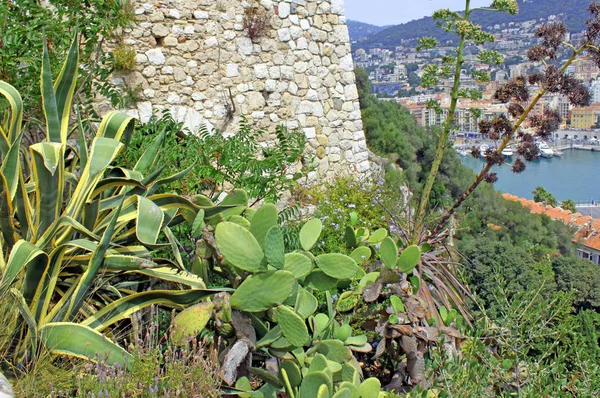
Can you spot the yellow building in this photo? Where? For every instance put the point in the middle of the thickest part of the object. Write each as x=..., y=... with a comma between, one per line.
x=582, y=118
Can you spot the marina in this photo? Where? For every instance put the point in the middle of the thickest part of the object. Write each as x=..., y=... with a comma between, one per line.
x=574, y=175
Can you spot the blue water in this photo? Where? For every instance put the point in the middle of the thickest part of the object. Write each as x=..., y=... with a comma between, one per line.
x=575, y=175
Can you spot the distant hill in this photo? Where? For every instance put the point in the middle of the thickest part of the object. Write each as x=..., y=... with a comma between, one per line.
x=360, y=29
x=575, y=16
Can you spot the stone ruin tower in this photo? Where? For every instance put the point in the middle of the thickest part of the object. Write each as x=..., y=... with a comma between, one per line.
x=196, y=58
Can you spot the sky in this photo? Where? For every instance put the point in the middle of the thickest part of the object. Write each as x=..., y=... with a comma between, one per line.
x=393, y=12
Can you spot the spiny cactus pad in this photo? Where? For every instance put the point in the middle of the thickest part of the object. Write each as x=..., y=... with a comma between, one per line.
x=337, y=265
x=388, y=251
x=239, y=247
x=292, y=325
x=263, y=291
x=298, y=264
x=409, y=258
x=275, y=248
x=265, y=218
x=310, y=232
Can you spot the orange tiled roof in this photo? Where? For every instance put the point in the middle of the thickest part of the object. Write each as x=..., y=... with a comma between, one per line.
x=588, y=232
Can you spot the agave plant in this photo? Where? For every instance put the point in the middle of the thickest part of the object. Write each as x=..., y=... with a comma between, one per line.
x=78, y=233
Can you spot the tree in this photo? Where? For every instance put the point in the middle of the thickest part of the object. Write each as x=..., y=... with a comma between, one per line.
x=568, y=204
x=579, y=275
x=540, y=195
x=514, y=264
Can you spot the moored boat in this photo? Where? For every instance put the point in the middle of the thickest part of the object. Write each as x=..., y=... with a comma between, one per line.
x=483, y=150
x=507, y=152
x=545, y=150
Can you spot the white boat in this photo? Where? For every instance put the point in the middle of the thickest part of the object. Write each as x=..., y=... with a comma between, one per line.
x=463, y=153
x=557, y=152
x=483, y=149
x=507, y=152
x=545, y=150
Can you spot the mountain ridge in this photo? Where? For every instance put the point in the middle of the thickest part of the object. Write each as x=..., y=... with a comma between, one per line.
x=359, y=29
x=574, y=15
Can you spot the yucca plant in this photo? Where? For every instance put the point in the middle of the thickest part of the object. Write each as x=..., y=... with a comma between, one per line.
x=78, y=233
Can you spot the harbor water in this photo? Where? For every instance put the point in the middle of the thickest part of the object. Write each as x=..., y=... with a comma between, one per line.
x=575, y=175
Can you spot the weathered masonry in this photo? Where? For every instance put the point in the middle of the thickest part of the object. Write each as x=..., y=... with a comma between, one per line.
x=195, y=58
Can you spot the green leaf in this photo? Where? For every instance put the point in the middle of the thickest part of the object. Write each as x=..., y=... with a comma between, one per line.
x=189, y=322
x=388, y=251
x=409, y=258
x=337, y=266
x=239, y=247
x=343, y=332
x=334, y=350
x=312, y=383
x=369, y=388
x=261, y=292
x=378, y=236
x=306, y=303
x=361, y=255
x=415, y=282
x=149, y=221
x=275, y=248
x=292, y=325
x=83, y=342
x=198, y=224
x=298, y=264
x=397, y=304
x=124, y=307
x=292, y=372
x=320, y=281
x=349, y=236
x=310, y=232
x=353, y=218
x=264, y=219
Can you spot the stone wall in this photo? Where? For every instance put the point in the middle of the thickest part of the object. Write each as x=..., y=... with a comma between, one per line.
x=195, y=58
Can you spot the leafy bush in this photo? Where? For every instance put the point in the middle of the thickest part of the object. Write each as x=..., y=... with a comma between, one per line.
x=215, y=160
x=27, y=25
x=533, y=346
x=123, y=58
x=336, y=201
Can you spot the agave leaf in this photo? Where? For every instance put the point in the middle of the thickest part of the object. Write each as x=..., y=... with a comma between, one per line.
x=64, y=88
x=49, y=175
x=116, y=125
x=124, y=307
x=16, y=116
x=150, y=155
x=82, y=289
x=22, y=255
x=9, y=234
x=49, y=103
x=149, y=221
x=83, y=342
x=172, y=275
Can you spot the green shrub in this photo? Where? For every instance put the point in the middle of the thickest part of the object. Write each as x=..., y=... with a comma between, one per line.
x=123, y=58
x=533, y=347
x=215, y=160
x=336, y=200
